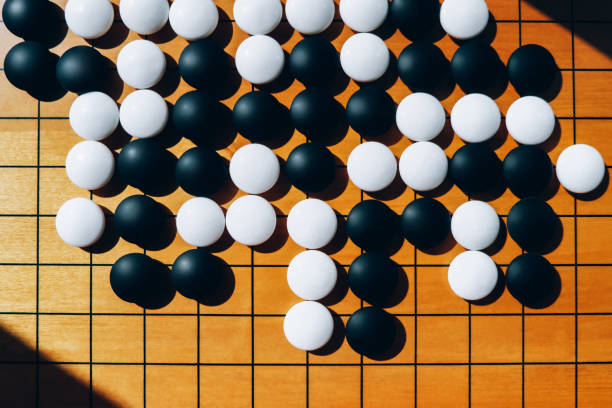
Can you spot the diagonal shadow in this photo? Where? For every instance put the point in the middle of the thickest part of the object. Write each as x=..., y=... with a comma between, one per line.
x=56, y=386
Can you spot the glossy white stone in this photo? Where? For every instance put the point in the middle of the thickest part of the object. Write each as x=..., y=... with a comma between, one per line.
x=193, y=19
x=90, y=165
x=475, y=118
x=530, y=120
x=94, y=115
x=250, y=220
x=308, y=325
x=464, y=19
x=312, y=223
x=580, y=168
x=423, y=166
x=472, y=275
x=144, y=16
x=371, y=166
x=475, y=225
x=200, y=222
x=89, y=18
x=258, y=17
x=260, y=59
x=312, y=275
x=364, y=57
x=420, y=117
x=141, y=64
x=143, y=113
x=254, y=168
x=310, y=16
x=80, y=222
x=363, y=15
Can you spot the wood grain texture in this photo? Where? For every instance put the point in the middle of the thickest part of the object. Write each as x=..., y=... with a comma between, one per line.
x=67, y=341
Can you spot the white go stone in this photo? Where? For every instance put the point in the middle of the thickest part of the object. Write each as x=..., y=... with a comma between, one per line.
x=423, y=166
x=90, y=165
x=312, y=275
x=310, y=16
x=580, y=168
x=475, y=225
x=530, y=120
x=193, y=19
x=94, y=116
x=308, y=325
x=363, y=15
x=143, y=113
x=254, y=168
x=420, y=117
x=260, y=59
x=371, y=166
x=312, y=223
x=89, y=18
x=472, y=275
x=200, y=222
x=144, y=16
x=80, y=222
x=250, y=220
x=258, y=17
x=364, y=57
x=141, y=64
x=475, y=118
x=464, y=19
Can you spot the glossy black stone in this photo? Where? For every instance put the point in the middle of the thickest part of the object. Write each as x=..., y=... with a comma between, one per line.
x=82, y=69
x=28, y=65
x=197, y=274
x=532, y=280
x=475, y=168
x=371, y=331
x=311, y=167
x=201, y=171
x=142, y=221
x=527, y=170
x=146, y=165
x=532, y=70
x=314, y=61
x=370, y=111
x=414, y=18
x=373, y=277
x=372, y=226
x=425, y=223
x=476, y=67
x=203, y=64
x=423, y=67
x=138, y=278
x=254, y=116
x=198, y=116
x=315, y=113
x=26, y=18
x=532, y=224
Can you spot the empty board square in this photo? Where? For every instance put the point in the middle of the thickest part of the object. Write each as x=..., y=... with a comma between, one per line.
x=334, y=387
x=179, y=304
x=556, y=38
x=593, y=132
x=171, y=339
x=271, y=346
x=442, y=339
x=591, y=247
x=56, y=140
x=104, y=299
x=593, y=89
x=225, y=386
x=594, y=388
x=496, y=339
x=236, y=334
x=18, y=239
x=594, y=288
x=272, y=294
x=20, y=142
x=17, y=337
x=442, y=386
x=403, y=300
x=549, y=385
x=64, y=338
x=433, y=293
x=549, y=338
x=117, y=339
x=18, y=288
x=496, y=385
x=595, y=338
x=172, y=386
x=390, y=386
x=546, y=10
x=63, y=385
x=121, y=385
x=288, y=383
x=19, y=385
x=51, y=247
x=56, y=189
x=15, y=102
x=63, y=289
x=592, y=52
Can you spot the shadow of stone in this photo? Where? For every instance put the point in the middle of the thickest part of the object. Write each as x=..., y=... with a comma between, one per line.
x=224, y=32
x=487, y=35
x=165, y=35
x=340, y=290
x=282, y=186
x=446, y=245
x=280, y=84
x=336, y=340
x=497, y=292
x=388, y=79
x=115, y=36
x=169, y=83
x=55, y=29
x=598, y=192
x=500, y=240
x=336, y=188
x=109, y=237
x=278, y=238
x=49, y=89
x=340, y=238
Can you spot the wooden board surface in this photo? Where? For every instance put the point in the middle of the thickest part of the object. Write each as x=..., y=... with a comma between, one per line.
x=67, y=341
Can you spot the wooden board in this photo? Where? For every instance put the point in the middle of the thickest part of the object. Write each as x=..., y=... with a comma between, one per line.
x=67, y=341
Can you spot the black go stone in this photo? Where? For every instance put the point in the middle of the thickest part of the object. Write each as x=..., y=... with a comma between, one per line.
x=532, y=280
x=371, y=331
x=372, y=226
x=527, y=171
x=425, y=223
x=423, y=67
x=476, y=67
x=256, y=116
x=82, y=69
x=203, y=64
x=475, y=168
x=314, y=61
x=311, y=167
x=370, y=111
x=146, y=165
x=532, y=70
x=316, y=114
x=532, y=224
x=373, y=278
x=197, y=274
x=416, y=19
x=201, y=171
